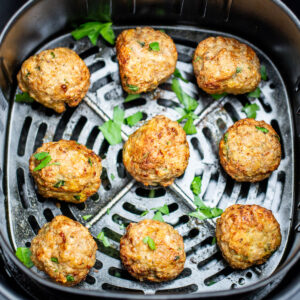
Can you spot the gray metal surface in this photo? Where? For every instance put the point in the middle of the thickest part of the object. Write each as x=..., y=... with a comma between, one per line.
x=205, y=270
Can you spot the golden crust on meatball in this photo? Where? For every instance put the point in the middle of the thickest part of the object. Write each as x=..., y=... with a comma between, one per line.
x=141, y=68
x=65, y=250
x=55, y=77
x=225, y=65
x=157, y=152
x=72, y=175
x=163, y=263
x=250, y=150
x=247, y=235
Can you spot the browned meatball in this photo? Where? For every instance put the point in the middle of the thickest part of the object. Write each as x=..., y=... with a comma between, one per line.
x=143, y=68
x=247, y=235
x=72, y=174
x=65, y=250
x=55, y=77
x=157, y=152
x=250, y=150
x=226, y=65
x=158, y=260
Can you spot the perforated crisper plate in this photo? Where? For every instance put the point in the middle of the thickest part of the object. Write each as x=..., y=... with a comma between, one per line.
x=205, y=270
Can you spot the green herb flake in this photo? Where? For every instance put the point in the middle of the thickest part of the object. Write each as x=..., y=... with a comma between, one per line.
x=154, y=46
x=134, y=119
x=40, y=155
x=54, y=259
x=238, y=70
x=197, y=58
x=250, y=110
x=112, y=132
x=112, y=176
x=218, y=96
x=118, y=115
x=178, y=75
x=163, y=209
x=24, y=255
x=151, y=244
x=226, y=137
x=44, y=163
x=59, y=183
x=24, y=97
x=176, y=257
x=26, y=76
x=131, y=97
x=52, y=54
x=86, y=217
x=189, y=126
x=263, y=73
x=141, y=43
x=152, y=194
x=196, y=185
x=90, y=162
x=210, y=283
x=158, y=217
x=93, y=29
x=77, y=197
x=38, y=68
x=144, y=213
x=255, y=93
x=101, y=237
x=108, y=211
x=262, y=129
x=70, y=278
x=213, y=241
x=132, y=87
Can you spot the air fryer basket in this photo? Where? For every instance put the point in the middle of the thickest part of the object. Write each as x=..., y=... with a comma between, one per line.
x=267, y=26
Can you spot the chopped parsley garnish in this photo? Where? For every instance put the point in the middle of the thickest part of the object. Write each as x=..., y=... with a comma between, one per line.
x=154, y=46
x=210, y=283
x=213, y=241
x=112, y=132
x=148, y=240
x=250, y=110
x=112, y=176
x=133, y=88
x=263, y=73
x=152, y=194
x=262, y=129
x=92, y=30
x=59, y=183
x=163, y=209
x=45, y=160
x=238, y=70
x=54, y=259
x=24, y=97
x=86, y=217
x=218, y=96
x=77, y=197
x=90, y=161
x=134, y=119
x=28, y=73
x=52, y=54
x=189, y=126
x=141, y=43
x=118, y=115
x=70, y=278
x=196, y=185
x=226, y=137
x=41, y=155
x=131, y=97
x=101, y=237
x=158, y=217
x=176, y=257
x=255, y=93
x=24, y=255
x=108, y=211
x=197, y=58
x=178, y=75
x=144, y=213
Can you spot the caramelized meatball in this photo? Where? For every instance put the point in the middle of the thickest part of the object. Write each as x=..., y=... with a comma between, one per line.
x=225, y=65
x=55, y=77
x=65, y=250
x=147, y=58
x=247, y=235
x=161, y=260
x=72, y=174
x=250, y=150
x=157, y=152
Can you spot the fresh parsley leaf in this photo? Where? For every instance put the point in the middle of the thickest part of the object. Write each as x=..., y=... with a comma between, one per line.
x=52, y=54
x=101, y=237
x=188, y=115
x=90, y=161
x=255, y=93
x=238, y=70
x=210, y=283
x=250, y=110
x=118, y=115
x=196, y=185
x=133, y=119
x=154, y=46
x=198, y=202
x=189, y=103
x=144, y=213
x=70, y=278
x=59, y=183
x=178, y=75
x=111, y=132
x=24, y=97
x=163, y=209
x=148, y=240
x=141, y=43
x=112, y=176
x=176, y=257
x=262, y=129
x=158, y=217
x=152, y=194
x=263, y=73
x=40, y=155
x=108, y=211
x=214, y=240
x=131, y=97
x=197, y=58
x=226, y=137
x=44, y=163
x=86, y=217
x=24, y=255
x=92, y=30
x=77, y=197
x=189, y=126
x=54, y=259
x=133, y=88
x=218, y=96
